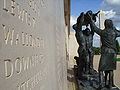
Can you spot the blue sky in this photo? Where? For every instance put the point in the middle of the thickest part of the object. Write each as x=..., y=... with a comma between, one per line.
x=110, y=8
x=78, y=6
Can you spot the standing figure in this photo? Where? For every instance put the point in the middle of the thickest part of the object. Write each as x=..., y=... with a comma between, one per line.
x=108, y=51
x=83, y=58
x=88, y=35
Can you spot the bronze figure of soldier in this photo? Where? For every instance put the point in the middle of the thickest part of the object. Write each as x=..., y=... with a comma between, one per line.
x=82, y=60
x=85, y=50
x=88, y=35
x=108, y=51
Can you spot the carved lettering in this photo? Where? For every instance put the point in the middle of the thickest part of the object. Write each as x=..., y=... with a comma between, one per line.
x=17, y=39
x=23, y=38
x=11, y=39
x=18, y=63
x=8, y=35
x=32, y=61
x=32, y=82
x=25, y=63
x=29, y=20
x=8, y=68
x=21, y=64
x=5, y=6
x=33, y=4
x=42, y=3
x=30, y=3
x=27, y=39
x=23, y=15
x=23, y=86
x=42, y=43
x=12, y=7
x=30, y=40
x=38, y=41
x=33, y=22
x=18, y=9
x=21, y=12
x=26, y=16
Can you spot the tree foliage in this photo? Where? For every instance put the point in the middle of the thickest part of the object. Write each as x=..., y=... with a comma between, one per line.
x=97, y=50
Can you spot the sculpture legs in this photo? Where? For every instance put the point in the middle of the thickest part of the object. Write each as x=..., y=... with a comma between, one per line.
x=106, y=75
x=91, y=55
x=80, y=72
x=100, y=80
x=110, y=80
x=92, y=71
x=87, y=65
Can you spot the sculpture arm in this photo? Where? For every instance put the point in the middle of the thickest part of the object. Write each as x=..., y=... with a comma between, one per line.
x=78, y=26
x=95, y=28
x=80, y=21
x=92, y=29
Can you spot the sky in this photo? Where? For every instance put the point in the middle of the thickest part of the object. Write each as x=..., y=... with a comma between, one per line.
x=110, y=8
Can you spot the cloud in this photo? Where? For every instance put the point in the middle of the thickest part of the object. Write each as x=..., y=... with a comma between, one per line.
x=109, y=14
x=73, y=20
x=118, y=28
x=114, y=12
x=111, y=3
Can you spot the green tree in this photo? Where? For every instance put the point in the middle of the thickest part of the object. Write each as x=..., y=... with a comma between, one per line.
x=97, y=50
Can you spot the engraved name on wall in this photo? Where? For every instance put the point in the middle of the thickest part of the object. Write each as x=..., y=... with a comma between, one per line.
x=33, y=45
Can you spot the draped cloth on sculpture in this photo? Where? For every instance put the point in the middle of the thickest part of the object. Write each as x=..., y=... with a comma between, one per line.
x=107, y=62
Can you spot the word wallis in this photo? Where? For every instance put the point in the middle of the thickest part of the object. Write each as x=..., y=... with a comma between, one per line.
x=11, y=37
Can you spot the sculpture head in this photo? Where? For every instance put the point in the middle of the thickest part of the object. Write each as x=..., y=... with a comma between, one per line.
x=93, y=16
x=86, y=32
x=90, y=13
x=108, y=23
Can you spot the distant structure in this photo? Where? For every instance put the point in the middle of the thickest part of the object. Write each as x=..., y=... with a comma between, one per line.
x=101, y=19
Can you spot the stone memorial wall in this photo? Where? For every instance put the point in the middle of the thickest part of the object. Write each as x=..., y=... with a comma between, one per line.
x=32, y=45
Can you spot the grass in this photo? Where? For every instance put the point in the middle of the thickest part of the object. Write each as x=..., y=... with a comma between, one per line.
x=118, y=59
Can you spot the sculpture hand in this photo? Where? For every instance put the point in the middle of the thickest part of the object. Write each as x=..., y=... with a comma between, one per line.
x=89, y=17
x=80, y=19
x=96, y=13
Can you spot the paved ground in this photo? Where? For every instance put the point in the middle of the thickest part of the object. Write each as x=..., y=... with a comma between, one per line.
x=71, y=79
x=72, y=85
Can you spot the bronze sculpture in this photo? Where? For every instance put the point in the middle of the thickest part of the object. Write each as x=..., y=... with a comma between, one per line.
x=85, y=21
x=85, y=71
x=85, y=41
x=108, y=51
x=88, y=35
x=82, y=49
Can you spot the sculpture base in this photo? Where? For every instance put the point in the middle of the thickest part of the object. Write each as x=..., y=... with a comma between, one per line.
x=115, y=88
x=89, y=82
